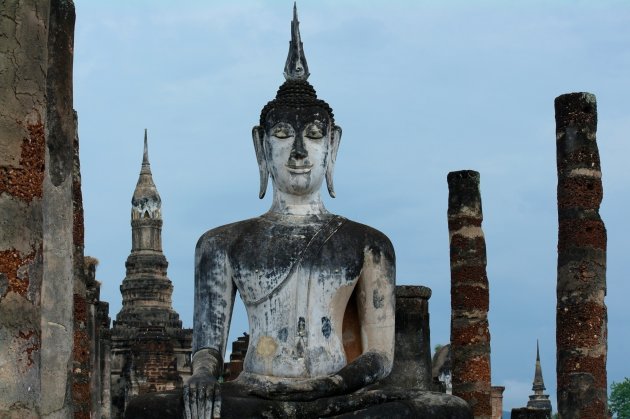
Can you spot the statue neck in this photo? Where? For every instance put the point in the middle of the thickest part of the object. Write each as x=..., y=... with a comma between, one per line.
x=301, y=205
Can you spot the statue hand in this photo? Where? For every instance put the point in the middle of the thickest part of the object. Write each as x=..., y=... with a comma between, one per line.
x=202, y=396
x=302, y=390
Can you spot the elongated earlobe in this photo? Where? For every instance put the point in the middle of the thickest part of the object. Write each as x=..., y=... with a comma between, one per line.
x=258, y=135
x=334, y=147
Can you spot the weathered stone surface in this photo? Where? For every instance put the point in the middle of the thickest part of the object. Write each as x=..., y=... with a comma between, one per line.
x=581, y=330
x=470, y=334
x=57, y=321
x=37, y=129
x=497, y=402
x=23, y=54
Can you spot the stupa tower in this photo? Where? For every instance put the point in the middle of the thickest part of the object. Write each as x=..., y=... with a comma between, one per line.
x=539, y=400
x=150, y=350
x=146, y=290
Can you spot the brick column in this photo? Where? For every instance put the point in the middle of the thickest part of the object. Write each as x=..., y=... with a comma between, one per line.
x=581, y=336
x=470, y=336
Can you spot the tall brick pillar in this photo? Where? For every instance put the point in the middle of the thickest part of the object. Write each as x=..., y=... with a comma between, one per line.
x=581, y=335
x=470, y=336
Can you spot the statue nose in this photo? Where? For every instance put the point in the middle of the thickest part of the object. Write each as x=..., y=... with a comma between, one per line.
x=299, y=151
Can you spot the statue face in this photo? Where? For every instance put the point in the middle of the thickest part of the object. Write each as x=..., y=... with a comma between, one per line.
x=296, y=148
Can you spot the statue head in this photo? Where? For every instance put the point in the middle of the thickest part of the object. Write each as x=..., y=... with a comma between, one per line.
x=297, y=140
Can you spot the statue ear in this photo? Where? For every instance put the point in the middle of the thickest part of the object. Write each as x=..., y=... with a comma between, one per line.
x=258, y=135
x=335, y=139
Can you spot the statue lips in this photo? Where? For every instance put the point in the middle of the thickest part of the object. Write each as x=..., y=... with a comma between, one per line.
x=299, y=169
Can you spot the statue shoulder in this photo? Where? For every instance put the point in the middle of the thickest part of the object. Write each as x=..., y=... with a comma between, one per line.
x=371, y=238
x=222, y=237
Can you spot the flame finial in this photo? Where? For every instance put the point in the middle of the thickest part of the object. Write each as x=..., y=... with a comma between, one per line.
x=296, y=67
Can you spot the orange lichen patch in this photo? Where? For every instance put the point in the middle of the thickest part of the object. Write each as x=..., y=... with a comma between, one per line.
x=581, y=233
x=10, y=263
x=469, y=274
x=26, y=181
x=81, y=392
x=469, y=297
x=475, y=369
x=479, y=401
x=80, y=308
x=470, y=334
x=595, y=366
x=77, y=225
x=81, y=347
x=579, y=192
x=33, y=346
x=582, y=325
x=597, y=408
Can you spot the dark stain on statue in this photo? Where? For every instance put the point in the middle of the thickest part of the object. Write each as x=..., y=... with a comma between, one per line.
x=283, y=334
x=376, y=254
x=301, y=329
x=326, y=328
x=377, y=299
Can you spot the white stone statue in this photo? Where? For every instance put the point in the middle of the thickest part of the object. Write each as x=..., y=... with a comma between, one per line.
x=319, y=289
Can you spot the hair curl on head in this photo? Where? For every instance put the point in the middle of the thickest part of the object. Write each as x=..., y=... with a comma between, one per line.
x=296, y=94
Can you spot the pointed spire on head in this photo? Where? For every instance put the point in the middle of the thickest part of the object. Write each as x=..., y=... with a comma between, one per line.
x=296, y=67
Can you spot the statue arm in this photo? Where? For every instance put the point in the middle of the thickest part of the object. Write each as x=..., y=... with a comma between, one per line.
x=214, y=300
x=376, y=301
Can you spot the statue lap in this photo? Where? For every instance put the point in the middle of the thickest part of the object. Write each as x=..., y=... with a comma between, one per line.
x=371, y=402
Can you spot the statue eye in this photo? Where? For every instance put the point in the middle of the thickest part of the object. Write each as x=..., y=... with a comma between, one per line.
x=281, y=132
x=314, y=132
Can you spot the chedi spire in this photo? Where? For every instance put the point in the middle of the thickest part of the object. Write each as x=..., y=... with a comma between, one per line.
x=539, y=400
x=146, y=201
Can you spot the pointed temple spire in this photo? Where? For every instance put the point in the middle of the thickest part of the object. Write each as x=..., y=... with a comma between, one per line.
x=145, y=156
x=539, y=384
x=539, y=400
x=146, y=201
x=296, y=67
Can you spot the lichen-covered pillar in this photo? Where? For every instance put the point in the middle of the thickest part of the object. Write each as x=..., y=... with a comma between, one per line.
x=38, y=208
x=23, y=64
x=581, y=334
x=470, y=336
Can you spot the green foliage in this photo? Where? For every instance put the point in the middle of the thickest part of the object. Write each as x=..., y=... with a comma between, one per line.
x=619, y=400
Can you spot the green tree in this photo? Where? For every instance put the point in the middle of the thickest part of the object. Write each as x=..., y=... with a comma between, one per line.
x=619, y=401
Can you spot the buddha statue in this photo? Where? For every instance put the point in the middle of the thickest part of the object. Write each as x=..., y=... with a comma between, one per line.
x=319, y=289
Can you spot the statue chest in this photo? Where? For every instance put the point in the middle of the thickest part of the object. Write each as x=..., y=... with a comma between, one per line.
x=305, y=259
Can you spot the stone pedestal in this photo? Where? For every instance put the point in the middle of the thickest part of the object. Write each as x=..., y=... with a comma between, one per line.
x=412, y=356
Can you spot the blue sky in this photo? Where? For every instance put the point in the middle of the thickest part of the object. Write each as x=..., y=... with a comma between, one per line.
x=420, y=89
